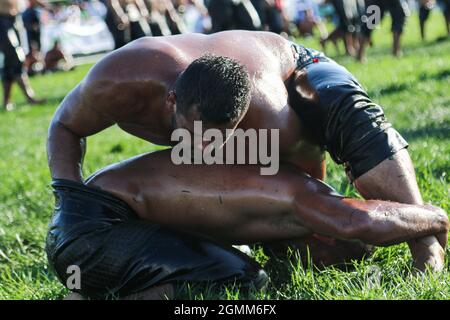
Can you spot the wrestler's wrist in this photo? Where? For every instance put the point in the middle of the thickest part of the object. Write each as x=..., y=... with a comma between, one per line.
x=76, y=177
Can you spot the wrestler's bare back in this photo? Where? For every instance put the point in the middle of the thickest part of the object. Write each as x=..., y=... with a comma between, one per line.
x=130, y=85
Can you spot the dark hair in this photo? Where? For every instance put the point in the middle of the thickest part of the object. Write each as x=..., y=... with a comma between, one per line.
x=219, y=87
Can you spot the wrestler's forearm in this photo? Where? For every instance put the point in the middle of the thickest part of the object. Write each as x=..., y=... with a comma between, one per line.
x=394, y=179
x=65, y=152
x=387, y=223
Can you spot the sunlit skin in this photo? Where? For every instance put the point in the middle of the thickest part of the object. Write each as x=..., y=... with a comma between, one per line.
x=133, y=88
x=237, y=205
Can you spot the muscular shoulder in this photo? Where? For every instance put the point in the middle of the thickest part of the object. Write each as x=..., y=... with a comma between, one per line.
x=261, y=52
x=143, y=59
x=128, y=76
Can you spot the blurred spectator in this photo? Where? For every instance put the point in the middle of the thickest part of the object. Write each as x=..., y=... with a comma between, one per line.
x=70, y=13
x=14, y=56
x=138, y=16
x=233, y=14
x=57, y=60
x=172, y=16
x=398, y=10
x=157, y=21
x=127, y=20
x=307, y=18
x=425, y=7
x=33, y=61
x=96, y=8
x=195, y=15
x=271, y=15
x=348, y=26
x=275, y=16
x=117, y=21
x=445, y=5
x=32, y=24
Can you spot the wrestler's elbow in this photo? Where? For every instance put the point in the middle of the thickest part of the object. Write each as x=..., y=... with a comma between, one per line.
x=65, y=151
x=53, y=129
x=58, y=130
x=63, y=140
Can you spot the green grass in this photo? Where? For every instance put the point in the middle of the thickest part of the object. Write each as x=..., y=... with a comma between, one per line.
x=414, y=91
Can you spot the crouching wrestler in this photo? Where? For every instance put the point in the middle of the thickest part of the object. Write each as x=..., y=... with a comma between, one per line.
x=144, y=224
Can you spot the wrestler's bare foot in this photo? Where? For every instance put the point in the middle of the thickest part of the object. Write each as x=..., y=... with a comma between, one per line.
x=162, y=292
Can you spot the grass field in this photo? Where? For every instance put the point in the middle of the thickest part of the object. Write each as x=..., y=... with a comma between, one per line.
x=414, y=90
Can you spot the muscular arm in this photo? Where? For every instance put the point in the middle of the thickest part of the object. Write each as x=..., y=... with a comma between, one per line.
x=116, y=90
x=237, y=205
x=376, y=222
x=394, y=179
x=74, y=120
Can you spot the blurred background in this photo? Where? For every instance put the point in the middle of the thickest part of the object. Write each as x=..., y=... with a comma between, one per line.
x=52, y=32
x=55, y=43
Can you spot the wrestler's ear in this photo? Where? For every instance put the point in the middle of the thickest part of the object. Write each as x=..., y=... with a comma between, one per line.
x=171, y=102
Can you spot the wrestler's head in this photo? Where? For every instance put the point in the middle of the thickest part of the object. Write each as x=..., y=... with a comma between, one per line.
x=212, y=89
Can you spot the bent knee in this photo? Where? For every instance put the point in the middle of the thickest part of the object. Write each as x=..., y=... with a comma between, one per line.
x=101, y=179
x=114, y=182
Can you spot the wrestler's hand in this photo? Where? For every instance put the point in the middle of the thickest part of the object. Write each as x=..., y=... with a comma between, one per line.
x=428, y=252
x=442, y=216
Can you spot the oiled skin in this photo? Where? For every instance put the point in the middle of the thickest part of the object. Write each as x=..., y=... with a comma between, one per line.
x=235, y=204
x=130, y=86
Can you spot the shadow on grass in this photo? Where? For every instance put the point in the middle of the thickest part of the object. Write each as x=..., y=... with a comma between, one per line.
x=438, y=172
x=389, y=89
x=433, y=131
x=441, y=75
x=399, y=87
x=214, y=291
x=36, y=280
x=51, y=101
